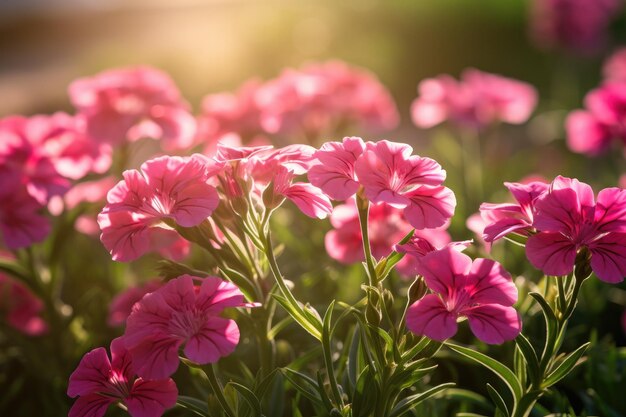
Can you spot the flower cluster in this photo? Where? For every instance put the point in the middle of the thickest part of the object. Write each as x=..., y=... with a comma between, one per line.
x=309, y=102
x=477, y=100
x=561, y=219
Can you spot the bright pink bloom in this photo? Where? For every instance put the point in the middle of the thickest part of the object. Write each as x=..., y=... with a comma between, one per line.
x=134, y=103
x=614, y=68
x=580, y=26
x=21, y=308
x=309, y=199
x=502, y=219
x=173, y=189
x=477, y=100
x=334, y=173
x=181, y=313
x=420, y=245
x=569, y=219
x=591, y=131
x=320, y=98
x=21, y=223
x=390, y=174
x=100, y=382
x=480, y=290
x=122, y=304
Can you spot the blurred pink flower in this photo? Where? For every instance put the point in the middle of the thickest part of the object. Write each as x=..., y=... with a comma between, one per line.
x=122, y=304
x=591, y=131
x=579, y=26
x=22, y=153
x=614, y=68
x=181, y=313
x=386, y=227
x=502, y=219
x=569, y=219
x=21, y=222
x=477, y=100
x=321, y=98
x=167, y=188
x=480, y=290
x=134, y=103
x=20, y=307
x=389, y=173
x=100, y=382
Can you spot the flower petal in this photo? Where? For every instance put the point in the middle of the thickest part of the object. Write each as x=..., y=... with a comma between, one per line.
x=494, y=323
x=219, y=337
x=444, y=270
x=151, y=398
x=553, y=253
x=608, y=257
x=493, y=284
x=91, y=375
x=92, y=405
x=429, y=317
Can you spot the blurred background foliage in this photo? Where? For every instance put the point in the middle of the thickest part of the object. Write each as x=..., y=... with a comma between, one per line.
x=215, y=45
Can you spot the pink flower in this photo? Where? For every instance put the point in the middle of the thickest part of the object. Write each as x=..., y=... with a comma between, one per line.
x=614, y=68
x=580, y=26
x=502, y=219
x=569, y=219
x=181, y=313
x=122, y=304
x=386, y=227
x=419, y=246
x=131, y=104
x=334, y=171
x=591, y=131
x=477, y=100
x=167, y=189
x=480, y=290
x=100, y=382
x=20, y=307
x=321, y=98
x=230, y=118
x=21, y=153
x=21, y=223
x=309, y=199
x=389, y=173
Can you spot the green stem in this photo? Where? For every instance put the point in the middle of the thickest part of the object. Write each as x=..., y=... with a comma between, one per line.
x=218, y=390
x=363, y=208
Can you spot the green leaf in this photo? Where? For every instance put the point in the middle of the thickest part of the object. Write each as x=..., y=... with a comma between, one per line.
x=551, y=329
x=300, y=318
x=566, y=366
x=366, y=392
x=406, y=404
x=194, y=405
x=530, y=356
x=249, y=396
x=504, y=373
x=304, y=384
x=328, y=355
x=468, y=397
x=497, y=400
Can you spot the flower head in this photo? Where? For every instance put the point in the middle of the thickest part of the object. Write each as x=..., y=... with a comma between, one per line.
x=122, y=304
x=100, y=382
x=479, y=290
x=569, y=218
x=182, y=314
x=167, y=189
x=21, y=307
x=131, y=104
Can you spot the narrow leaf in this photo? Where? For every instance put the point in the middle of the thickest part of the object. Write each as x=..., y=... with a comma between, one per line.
x=194, y=405
x=566, y=366
x=249, y=396
x=406, y=404
x=497, y=400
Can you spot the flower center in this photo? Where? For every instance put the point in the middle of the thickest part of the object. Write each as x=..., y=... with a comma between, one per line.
x=187, y=323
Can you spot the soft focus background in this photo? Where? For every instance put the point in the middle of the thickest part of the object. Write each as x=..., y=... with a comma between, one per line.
x=210, y=46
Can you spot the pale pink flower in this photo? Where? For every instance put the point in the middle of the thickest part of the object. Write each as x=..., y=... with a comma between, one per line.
x=614, y=68
x=579, y=26
x=309, y=199
x=122, y=304
x=477, y=100
x=100, y=382
x=480, y=290
x=167, y=189
x=390, y=174
x=20, y=307
x=592, y=131
x=334, y=169
x=517, y=217
x=181, y=314
x=320, y=98
x=568, y=218
x=134, y=103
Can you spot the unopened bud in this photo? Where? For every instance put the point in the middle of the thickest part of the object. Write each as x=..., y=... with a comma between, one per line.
x=417, y=290
x=582, y=266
